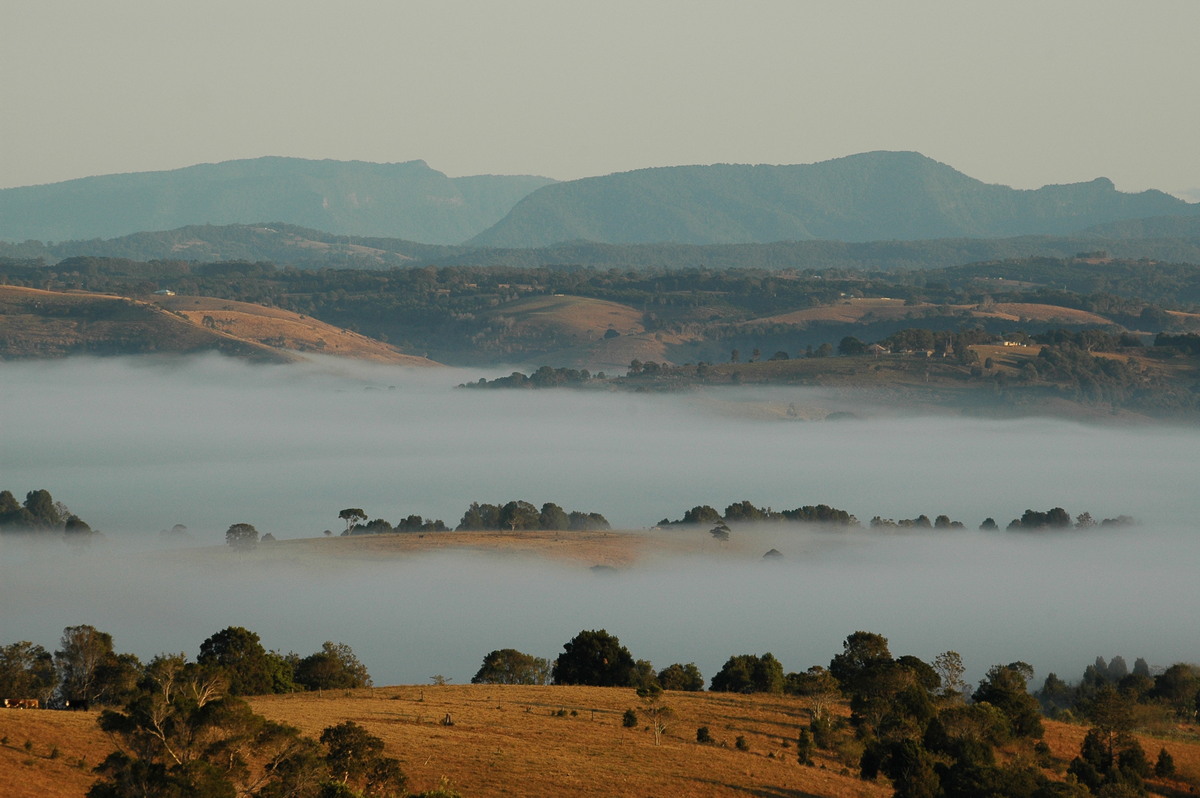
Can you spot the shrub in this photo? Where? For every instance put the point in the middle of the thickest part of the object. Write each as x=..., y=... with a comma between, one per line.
x=741, y=744
x=629, y=719
x=702, y=736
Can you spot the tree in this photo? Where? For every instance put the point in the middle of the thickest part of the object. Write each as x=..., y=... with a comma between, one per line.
x=334, y=667
x=27, y=671
x=519, y=515
x=654, y=709
x=553, y=517
x=1005, y=687
x=180, y=735
x=239, y=654
x=355, y=758
x=850, y=346
x=749, y=673
x=681, y=677
x=352, y=515
x=720, y=532
x=949, y=667
x=509, y=666
x=594, y=658
x=862, y=652
x=83, y=651
x=242, y=536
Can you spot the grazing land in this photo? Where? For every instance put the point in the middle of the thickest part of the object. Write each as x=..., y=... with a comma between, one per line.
x=546, y=740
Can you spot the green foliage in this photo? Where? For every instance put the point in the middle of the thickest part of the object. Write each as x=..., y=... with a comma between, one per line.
x=1004, y=687
x=594, y=658
x=242, y=536
x=509, y=666
x=630, y=719
x=681, y=677
x=522, y=515
x=749, y=673
x=241, y=658
x=334, y=667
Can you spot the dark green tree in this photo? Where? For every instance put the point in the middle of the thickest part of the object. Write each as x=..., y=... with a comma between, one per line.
x=1005, y=687
x=509, y=666
x=749, y=673
x=594, y=658
x=681, y=677
x=334, y=667
x=241, y=657
x=242, y=536
x=553, y=517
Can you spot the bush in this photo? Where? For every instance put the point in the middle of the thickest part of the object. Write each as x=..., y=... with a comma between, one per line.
x=629, y=720
x=702, y=735
x=741, y=744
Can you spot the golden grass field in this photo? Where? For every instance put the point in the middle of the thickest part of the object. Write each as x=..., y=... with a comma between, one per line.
x=41, y=323
x=572, y=315
x=284, y=329
x=866, y=309
x=543, y=741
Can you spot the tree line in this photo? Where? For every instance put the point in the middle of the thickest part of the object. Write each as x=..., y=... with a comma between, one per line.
x=917, y=723
x=87, y=670
x=40, y=514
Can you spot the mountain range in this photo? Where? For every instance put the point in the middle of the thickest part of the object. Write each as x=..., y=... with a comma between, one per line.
x=397, y=200
x=876, y=196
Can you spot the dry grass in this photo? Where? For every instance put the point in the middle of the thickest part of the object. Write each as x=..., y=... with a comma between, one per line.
x=571, y=316
x=283, y=329
x=545, y=740
x=617, y=549
x=512, y=740
x=39, y=772
x=41, y=323
x=851, y=311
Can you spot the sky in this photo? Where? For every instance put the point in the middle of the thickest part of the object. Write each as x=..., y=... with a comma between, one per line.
x=1019, y=92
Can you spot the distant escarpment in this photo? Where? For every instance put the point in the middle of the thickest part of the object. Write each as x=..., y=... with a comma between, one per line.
x=867, y=197
x=395, y=200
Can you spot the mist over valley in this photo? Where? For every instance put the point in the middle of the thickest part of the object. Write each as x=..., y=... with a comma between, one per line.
x=138, y=445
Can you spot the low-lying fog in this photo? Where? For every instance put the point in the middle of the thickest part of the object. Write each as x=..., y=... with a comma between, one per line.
x=134, y=447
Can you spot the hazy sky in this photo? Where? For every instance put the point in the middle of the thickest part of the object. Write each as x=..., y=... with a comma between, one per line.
x=1015, y=92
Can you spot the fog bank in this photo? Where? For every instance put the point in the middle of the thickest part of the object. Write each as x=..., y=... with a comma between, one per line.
x=136, y=446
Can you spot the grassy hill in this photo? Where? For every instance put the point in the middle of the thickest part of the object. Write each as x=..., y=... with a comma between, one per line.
x=549, y=740
x=38, y=323
x=872, y=196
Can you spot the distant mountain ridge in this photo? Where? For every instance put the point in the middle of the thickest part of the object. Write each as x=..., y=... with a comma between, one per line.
x=867, y=197
x=396, y=200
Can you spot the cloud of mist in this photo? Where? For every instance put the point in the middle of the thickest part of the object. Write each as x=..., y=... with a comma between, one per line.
x=136, y=446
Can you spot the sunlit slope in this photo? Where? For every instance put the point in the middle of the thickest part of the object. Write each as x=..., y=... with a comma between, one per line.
x=866, y=310
x=540, y=740
x=284, y=329
x=581, y=332
x=36, y=324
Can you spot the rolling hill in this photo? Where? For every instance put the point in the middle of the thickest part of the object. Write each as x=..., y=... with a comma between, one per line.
x=867, y=197
x=546, y=740
x=398, y=200
x=38, y=323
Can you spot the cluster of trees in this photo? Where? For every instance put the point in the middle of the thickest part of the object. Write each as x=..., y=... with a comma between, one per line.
x=745, y=512
x=920, y=522
x=183, y=732
x=40, y=513
x=916, y=722
x=544, y=377
x=87, y=670
x=1058, y=518
x=519, y=514
x=355, y=518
